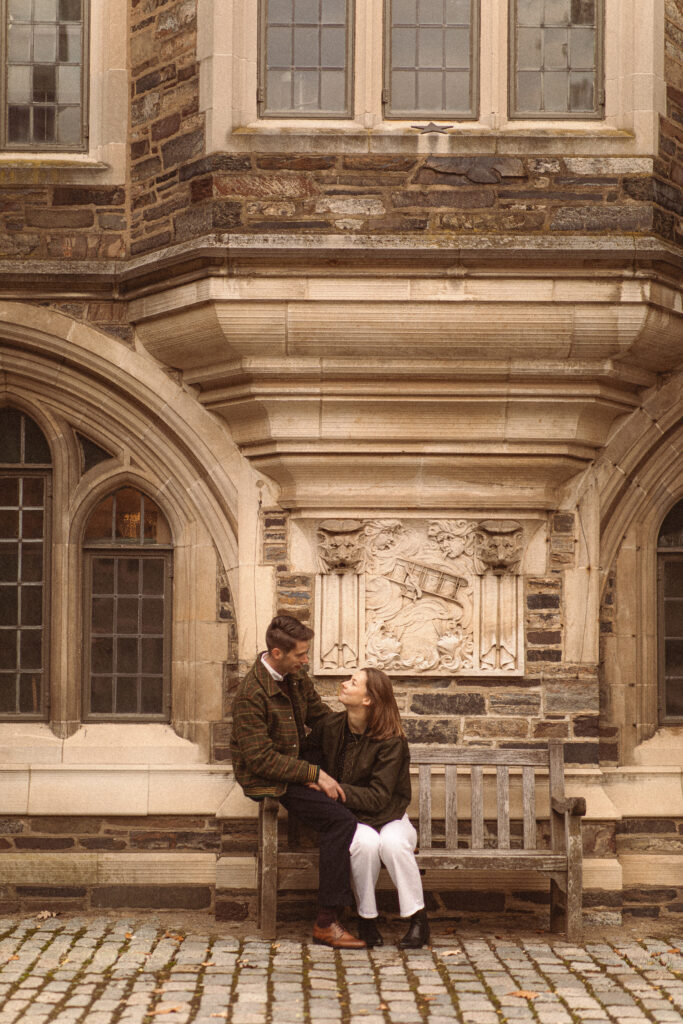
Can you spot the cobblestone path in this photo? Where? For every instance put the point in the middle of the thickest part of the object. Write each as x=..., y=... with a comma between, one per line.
x=103, y=971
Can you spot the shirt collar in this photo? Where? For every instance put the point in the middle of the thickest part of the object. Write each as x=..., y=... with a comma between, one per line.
x=269, y=668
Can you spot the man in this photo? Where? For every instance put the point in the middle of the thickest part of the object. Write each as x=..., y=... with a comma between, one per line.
x=274, y=706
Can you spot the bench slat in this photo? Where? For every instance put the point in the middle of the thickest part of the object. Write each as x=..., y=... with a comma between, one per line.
x=503, y=792
x=425, y=807
x=478, y=755
x=527, y=860
x=452, y=806
x=529, y=807
x=477, y=812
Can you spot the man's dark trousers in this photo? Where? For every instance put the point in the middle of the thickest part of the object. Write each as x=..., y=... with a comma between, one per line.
x=335, y=826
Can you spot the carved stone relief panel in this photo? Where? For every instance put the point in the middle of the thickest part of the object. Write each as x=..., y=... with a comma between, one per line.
x=432, y=597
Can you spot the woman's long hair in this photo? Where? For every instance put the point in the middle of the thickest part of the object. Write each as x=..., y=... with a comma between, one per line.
x=384, y=719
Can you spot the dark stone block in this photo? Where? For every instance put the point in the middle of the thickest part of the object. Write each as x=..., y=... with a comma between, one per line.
x=165, y=126
x=581, y=753
x=563, y=523
x=668, y=196
x=593, y=217
x=201, y=188
x=60, y=218
x=544, y=636
x=66, y=825
x=175, y=897
x=65, y=892
x=586, y=725
x=295, y=163
x=544, y=655
x=11, y=826
x=602, y=898
x=379, y=163
x=515, y=704
x=151, y=242
x=639, y=188
x=215, y=162
x=474, y=901
x=534, y=601
x=423, y=730
x=84, y=196
x=448, y=704
x=102, y=843
x=226, y=214
x=43, y=843
x=650, y=894
x=148, y=168
x=475, y=199
x=183, y=148
x=628, y=826
x=651, y=912
x=231, y=910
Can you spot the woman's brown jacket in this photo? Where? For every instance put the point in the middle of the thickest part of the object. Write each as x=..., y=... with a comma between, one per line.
x=377, y=782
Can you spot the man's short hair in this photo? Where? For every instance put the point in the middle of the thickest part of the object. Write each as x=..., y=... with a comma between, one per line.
x=285, y=632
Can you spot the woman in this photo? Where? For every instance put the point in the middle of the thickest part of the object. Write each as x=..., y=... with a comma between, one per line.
x=365, y=749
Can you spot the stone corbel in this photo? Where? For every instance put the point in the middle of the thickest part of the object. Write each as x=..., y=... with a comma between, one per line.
x=340, y=613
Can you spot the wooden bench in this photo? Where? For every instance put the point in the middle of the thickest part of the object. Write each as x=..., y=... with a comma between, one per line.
x=474, y=776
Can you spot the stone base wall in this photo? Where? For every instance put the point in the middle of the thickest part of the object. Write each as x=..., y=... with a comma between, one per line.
x=109, y=834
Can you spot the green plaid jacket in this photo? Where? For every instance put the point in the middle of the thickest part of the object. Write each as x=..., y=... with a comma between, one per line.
x=265, y=740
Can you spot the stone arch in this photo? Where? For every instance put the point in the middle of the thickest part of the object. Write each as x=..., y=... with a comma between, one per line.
x=640, y=478
x=71, y=377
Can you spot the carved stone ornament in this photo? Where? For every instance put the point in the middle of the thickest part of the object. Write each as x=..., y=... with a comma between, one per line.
x=341, y=546
x=411, y=596
x=498, y=546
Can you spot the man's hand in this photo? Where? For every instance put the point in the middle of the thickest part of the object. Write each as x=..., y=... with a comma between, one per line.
x=331, y=787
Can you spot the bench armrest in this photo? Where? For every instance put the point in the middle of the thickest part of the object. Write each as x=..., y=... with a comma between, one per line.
x=575, y=806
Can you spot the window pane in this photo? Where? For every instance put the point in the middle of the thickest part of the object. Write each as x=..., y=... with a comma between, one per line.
x=8, y=650
x=559, y=40
x=126, y=696
x=9, y=606
x=152, y=654
x=8, y=693
x=32, y=523
x=102, y=695
x=128, y=514
x=30, y=649
x=152, y=616
x=33, y=491
x=305, y=57
x=9, y=562
x=102, y=655
x=31, y=605
x=103, y=575
x=9, y=522
x=429, y=39
x=126, y=655
x=29, y=694
x=153, y=570
x=127, y=615
x=9, y=490
x=128, y=575
x=100, y=523
x=32, y=563
x=102, y=615
x=45, y=47
x=674, y=698
x=153, y=696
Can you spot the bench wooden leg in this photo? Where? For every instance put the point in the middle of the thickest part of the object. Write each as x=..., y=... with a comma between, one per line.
x=266, y=879
x=574, y=880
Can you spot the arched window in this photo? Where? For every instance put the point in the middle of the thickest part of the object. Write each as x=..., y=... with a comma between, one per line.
x=25, y=470
x=128, y=568
x=670, y=597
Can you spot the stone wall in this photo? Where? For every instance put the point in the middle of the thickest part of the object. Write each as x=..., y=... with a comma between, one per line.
x=166, y=128
x=669, y=193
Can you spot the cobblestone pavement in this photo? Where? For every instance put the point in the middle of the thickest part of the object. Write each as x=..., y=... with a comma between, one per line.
x=102, y=970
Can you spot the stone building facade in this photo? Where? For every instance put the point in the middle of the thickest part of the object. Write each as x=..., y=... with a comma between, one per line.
x=418, y=381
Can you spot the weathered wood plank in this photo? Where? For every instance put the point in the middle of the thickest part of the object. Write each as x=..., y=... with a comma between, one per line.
x=452, y=806
x=477, y=811
x=529, y=807
x=503, y=794
x=499, y=860
x=425, y=829
x=267, y=867
x=478, y=755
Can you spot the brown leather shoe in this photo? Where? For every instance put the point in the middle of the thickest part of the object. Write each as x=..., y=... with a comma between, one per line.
x=335, y=935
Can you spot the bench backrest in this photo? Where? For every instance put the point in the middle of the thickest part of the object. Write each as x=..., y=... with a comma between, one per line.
x=475, y=759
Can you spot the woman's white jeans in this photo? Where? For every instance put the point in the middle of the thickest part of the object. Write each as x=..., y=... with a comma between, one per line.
x=393, y=846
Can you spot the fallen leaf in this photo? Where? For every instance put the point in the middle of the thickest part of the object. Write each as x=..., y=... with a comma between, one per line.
x=129, y=935
x=13, y=957
x=44, y=914
x=523, y=994
x=208, y=963
x=674, y=950
x=165, y=1009
x=64, y=960
x=383, y=1006
x=223, y=1013
x=450, y=952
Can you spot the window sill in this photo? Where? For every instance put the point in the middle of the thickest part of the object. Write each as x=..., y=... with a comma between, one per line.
x=49, y=168
x=95, y=744
x=400, y=138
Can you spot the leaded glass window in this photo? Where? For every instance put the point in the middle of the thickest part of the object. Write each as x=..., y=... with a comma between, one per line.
x=24, y=545
x=556, y=58
x=670, y=594
x=128, y=562
x=306, y=58
x=431, y=58
x=44, y=56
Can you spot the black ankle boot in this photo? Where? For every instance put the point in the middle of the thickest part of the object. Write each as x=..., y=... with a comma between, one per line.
x=369, y=932
x=418, y=932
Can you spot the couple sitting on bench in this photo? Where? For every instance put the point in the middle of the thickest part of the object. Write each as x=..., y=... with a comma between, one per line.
x=344, y=774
